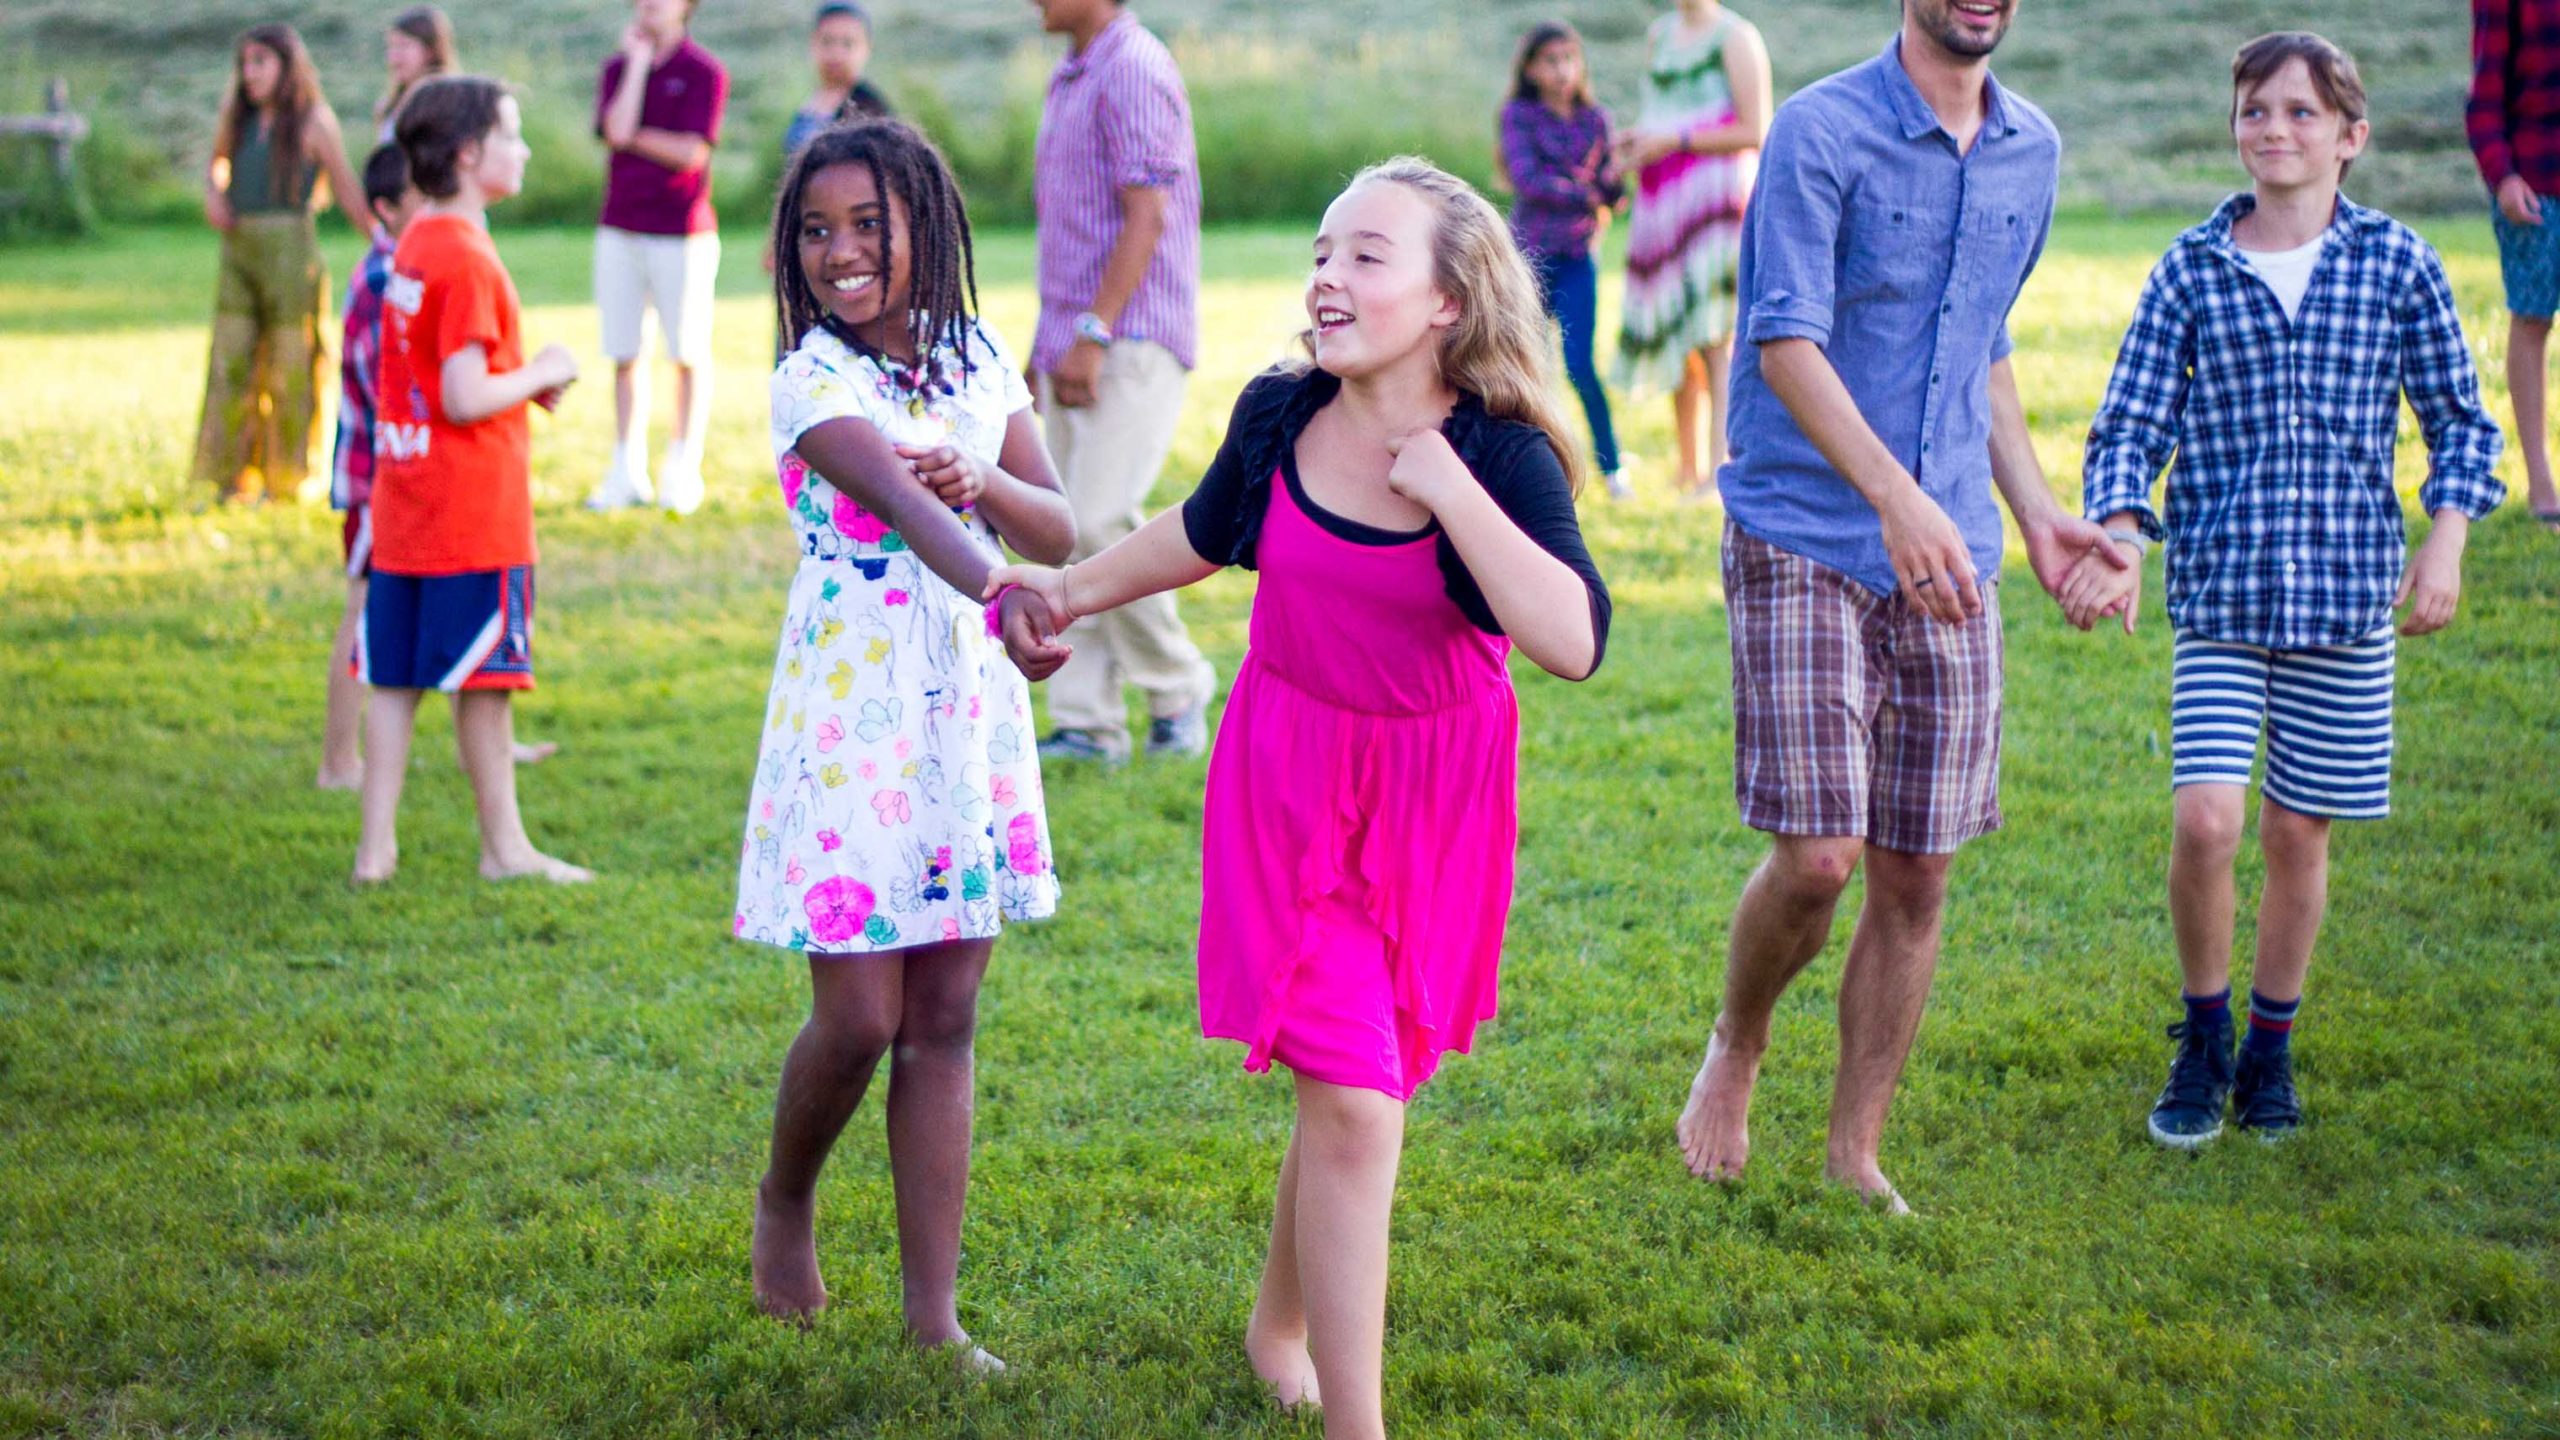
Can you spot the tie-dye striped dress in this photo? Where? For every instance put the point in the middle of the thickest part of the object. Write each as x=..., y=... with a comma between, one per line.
x=1684, y=239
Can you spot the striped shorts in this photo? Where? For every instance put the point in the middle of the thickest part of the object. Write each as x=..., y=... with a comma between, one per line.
x=2326, y=713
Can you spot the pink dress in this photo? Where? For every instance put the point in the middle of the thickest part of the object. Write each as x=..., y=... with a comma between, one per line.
x=1362, y=812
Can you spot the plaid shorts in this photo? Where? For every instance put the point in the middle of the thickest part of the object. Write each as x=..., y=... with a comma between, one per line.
x=1854, y=714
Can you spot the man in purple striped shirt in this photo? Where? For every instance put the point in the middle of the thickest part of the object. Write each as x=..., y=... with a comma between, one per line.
x=1117, y=186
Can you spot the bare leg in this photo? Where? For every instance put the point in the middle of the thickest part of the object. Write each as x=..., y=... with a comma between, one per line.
x=1350, y=1141
x=2201, y=903
x=1684, y=420
x=1275, y=1339
x=2297, y=894
x=1893, y=954
x=1719, y=363
x=484, y=727
x=2528, y=355
x=854, y=1004
x=932, y=1089
x=631, y=408
x=341, y=737
x=693, y=405
x=1782, y=923
x=390, y=718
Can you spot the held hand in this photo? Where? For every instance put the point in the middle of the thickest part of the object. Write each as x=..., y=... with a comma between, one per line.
x=2096, y=589
x=1929, y=556
x=2432, y=585
x=2061, y=544
x=955, y=478
x=1079, y=372
x=1426, y=468
x=2518, y=203
x=1640, y=148
x=1046, y=582
x=1030, y=634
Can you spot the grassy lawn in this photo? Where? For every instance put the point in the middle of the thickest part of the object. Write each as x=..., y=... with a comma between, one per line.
x=452, y=1159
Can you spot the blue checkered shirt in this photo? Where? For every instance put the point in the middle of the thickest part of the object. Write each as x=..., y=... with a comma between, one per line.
x=2284, y=529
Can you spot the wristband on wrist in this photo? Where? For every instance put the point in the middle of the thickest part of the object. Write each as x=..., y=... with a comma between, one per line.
x=1089, y=326
x=2140, y=542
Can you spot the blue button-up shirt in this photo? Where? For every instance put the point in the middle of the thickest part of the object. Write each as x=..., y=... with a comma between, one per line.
x=1873, y=236
x=2284, y=528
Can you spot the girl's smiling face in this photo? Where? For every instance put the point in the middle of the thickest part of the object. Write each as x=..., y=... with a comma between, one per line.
x=849, y=259
x=1372, y=297
x=1557, y=71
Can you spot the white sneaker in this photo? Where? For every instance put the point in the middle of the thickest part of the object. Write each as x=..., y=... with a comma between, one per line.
x=625, y=485
x=1619, y=489
x=680, y=483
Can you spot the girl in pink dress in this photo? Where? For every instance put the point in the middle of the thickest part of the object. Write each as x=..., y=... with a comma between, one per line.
x=1408, y=501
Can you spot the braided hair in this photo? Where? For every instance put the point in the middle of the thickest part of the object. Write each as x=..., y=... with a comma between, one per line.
x=942, y=267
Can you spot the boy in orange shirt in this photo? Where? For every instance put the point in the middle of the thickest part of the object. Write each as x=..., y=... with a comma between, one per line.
x=451, y=606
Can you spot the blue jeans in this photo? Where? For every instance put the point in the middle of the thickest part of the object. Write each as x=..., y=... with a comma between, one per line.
x=1572, y=287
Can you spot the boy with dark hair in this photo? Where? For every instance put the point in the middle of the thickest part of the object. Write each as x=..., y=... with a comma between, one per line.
x=839, y=49
x=2269, y=354
x=451, y=603
x=658, y=106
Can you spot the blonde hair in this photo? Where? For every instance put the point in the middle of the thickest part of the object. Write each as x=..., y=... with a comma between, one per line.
x=1502, y=350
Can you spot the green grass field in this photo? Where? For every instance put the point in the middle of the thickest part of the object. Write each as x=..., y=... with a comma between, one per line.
x=449, y=1159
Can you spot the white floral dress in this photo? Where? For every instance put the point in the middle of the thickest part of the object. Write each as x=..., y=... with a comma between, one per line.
x=897, y=796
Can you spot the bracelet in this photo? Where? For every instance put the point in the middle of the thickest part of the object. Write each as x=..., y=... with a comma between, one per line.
x=1089, y=326
x=2140, y=542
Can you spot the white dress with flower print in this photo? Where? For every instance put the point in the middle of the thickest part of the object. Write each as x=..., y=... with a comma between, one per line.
x=897, y=796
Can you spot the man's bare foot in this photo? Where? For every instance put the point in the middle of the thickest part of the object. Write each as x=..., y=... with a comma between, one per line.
x=1715, y=1128
x=1867, y=1183
x=336, y=778
x=1284, y=1364
x=534, y=865
x=972, y=1362
x=534, y=752
x=784, y=1257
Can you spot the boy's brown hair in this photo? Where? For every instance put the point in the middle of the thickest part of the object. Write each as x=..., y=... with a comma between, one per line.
x=2333, y=73
x=444, y=116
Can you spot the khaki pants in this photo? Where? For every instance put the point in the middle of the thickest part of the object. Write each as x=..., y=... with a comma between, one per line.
x=1108, y=456
x=261, y=381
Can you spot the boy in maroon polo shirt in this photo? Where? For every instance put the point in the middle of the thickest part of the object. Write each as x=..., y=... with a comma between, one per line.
x=658, y=108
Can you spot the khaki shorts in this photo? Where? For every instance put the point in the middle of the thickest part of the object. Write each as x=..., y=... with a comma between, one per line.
x=673, y=273
x=1854, y=714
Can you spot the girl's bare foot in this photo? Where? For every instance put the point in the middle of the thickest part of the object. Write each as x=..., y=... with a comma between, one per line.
x=335, y=778
x=1714, y=1128
x=374, y=869
x=534, y=865
x=784, y=1257
x=1283, y=1364
x=534, y=752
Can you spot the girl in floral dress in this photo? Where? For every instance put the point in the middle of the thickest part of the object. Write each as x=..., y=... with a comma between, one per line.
x=1694, y=149
x=895, y=821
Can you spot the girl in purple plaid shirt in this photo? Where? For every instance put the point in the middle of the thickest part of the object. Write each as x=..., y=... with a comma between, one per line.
x=2269, y=354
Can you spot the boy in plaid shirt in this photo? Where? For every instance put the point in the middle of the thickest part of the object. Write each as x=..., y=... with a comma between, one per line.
x=2269, y=355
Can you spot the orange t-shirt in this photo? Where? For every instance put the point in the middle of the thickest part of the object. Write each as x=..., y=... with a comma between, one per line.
x=448, y=498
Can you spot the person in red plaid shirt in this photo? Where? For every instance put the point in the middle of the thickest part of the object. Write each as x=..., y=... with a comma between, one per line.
x=2514, y=121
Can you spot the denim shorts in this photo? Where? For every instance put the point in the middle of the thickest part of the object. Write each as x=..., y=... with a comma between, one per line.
x=2529, y=259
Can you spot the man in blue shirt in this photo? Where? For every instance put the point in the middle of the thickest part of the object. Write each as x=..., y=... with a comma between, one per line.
x=1900, y=206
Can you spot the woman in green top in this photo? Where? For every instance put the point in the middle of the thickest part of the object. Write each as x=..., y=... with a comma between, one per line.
x=273, y=140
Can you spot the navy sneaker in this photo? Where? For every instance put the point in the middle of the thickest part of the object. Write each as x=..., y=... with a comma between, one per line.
x=1178, y=735
x=1084, y=745
x=2189, y=1111
x=2263, y=1098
